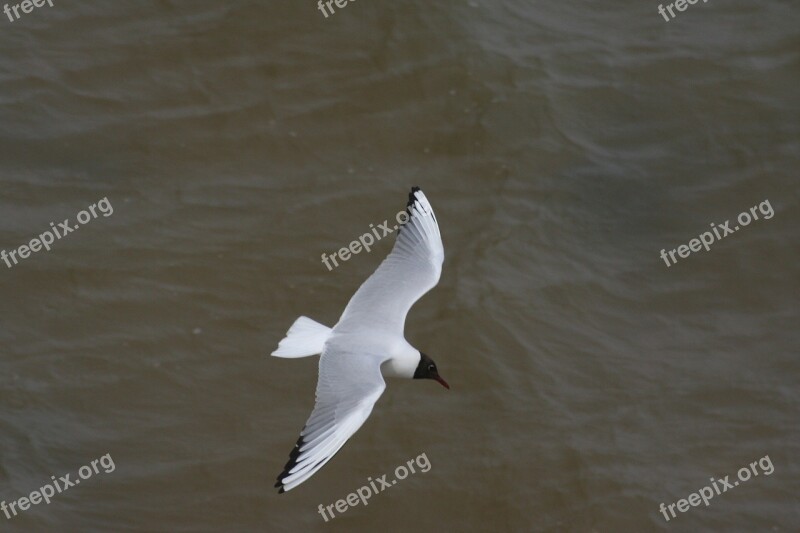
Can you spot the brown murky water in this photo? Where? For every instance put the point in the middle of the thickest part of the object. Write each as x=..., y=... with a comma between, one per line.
x=562, y=144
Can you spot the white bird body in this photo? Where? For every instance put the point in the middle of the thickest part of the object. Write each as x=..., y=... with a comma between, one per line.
x=311, y=337
x=366, y=344
x=403, y=360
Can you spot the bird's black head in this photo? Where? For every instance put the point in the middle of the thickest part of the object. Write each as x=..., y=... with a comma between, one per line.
x=427, y=370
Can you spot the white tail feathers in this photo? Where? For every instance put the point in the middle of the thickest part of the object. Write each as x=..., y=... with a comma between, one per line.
x=305, y=337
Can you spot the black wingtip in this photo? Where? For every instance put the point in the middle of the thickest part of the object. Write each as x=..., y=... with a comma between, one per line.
x=411, y=200
x=411, y=197
x=295, y=453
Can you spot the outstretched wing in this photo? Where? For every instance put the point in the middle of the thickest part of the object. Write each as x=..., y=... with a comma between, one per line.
x=349, y=384
x=409, y=271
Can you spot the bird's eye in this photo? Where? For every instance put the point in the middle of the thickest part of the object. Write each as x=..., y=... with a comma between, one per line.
x=431, y=367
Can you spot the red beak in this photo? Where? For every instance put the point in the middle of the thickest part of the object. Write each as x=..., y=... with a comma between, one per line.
x=443, y=382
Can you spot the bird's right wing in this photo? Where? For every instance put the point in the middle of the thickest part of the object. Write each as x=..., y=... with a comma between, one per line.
x=408, y=272
x=349, y=384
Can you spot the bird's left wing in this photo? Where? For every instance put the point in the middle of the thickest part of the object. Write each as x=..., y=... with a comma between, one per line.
x=409, y=271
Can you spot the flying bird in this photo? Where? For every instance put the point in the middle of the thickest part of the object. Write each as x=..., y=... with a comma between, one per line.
x=366, y=345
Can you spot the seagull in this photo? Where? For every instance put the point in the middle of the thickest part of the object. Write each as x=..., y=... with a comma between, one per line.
x=366, y=345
